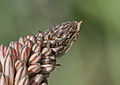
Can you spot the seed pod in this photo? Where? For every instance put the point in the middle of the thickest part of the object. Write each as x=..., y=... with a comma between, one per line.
x=18, y=64
x=24, y=81
x=47, y=68
x=48, y=60
x=34, y=68
x=37, y=79
x=3, y=80
x=9, y=69
x=28, y=37
x=29, y=43
x=22, y=40
x=17, y=47
x=40, y=42
x=35, y=58
x=33, y=39
x=36, y=48
x=3, y=50
x=25, y=52
x=11, y=51
x=22, y=72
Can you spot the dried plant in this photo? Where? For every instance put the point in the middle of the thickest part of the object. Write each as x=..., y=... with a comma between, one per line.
x=30, y=60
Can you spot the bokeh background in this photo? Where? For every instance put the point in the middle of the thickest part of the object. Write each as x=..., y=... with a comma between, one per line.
x=95, y=57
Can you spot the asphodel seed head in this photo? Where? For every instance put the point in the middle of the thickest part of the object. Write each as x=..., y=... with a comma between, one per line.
x=30, y=60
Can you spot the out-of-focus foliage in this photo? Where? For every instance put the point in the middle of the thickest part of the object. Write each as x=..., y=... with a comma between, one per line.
x=95, y=57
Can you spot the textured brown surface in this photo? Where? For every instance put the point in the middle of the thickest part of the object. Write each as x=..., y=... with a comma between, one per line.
x=30, y=60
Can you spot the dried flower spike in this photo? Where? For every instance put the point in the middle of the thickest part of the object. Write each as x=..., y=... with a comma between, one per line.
x=30, y=60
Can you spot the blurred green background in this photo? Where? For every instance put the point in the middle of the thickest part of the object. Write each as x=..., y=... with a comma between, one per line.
x=95, y=57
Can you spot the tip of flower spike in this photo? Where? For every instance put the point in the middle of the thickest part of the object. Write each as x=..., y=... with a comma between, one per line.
x=78, y=22
x=81, y=21
x=78, y=25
